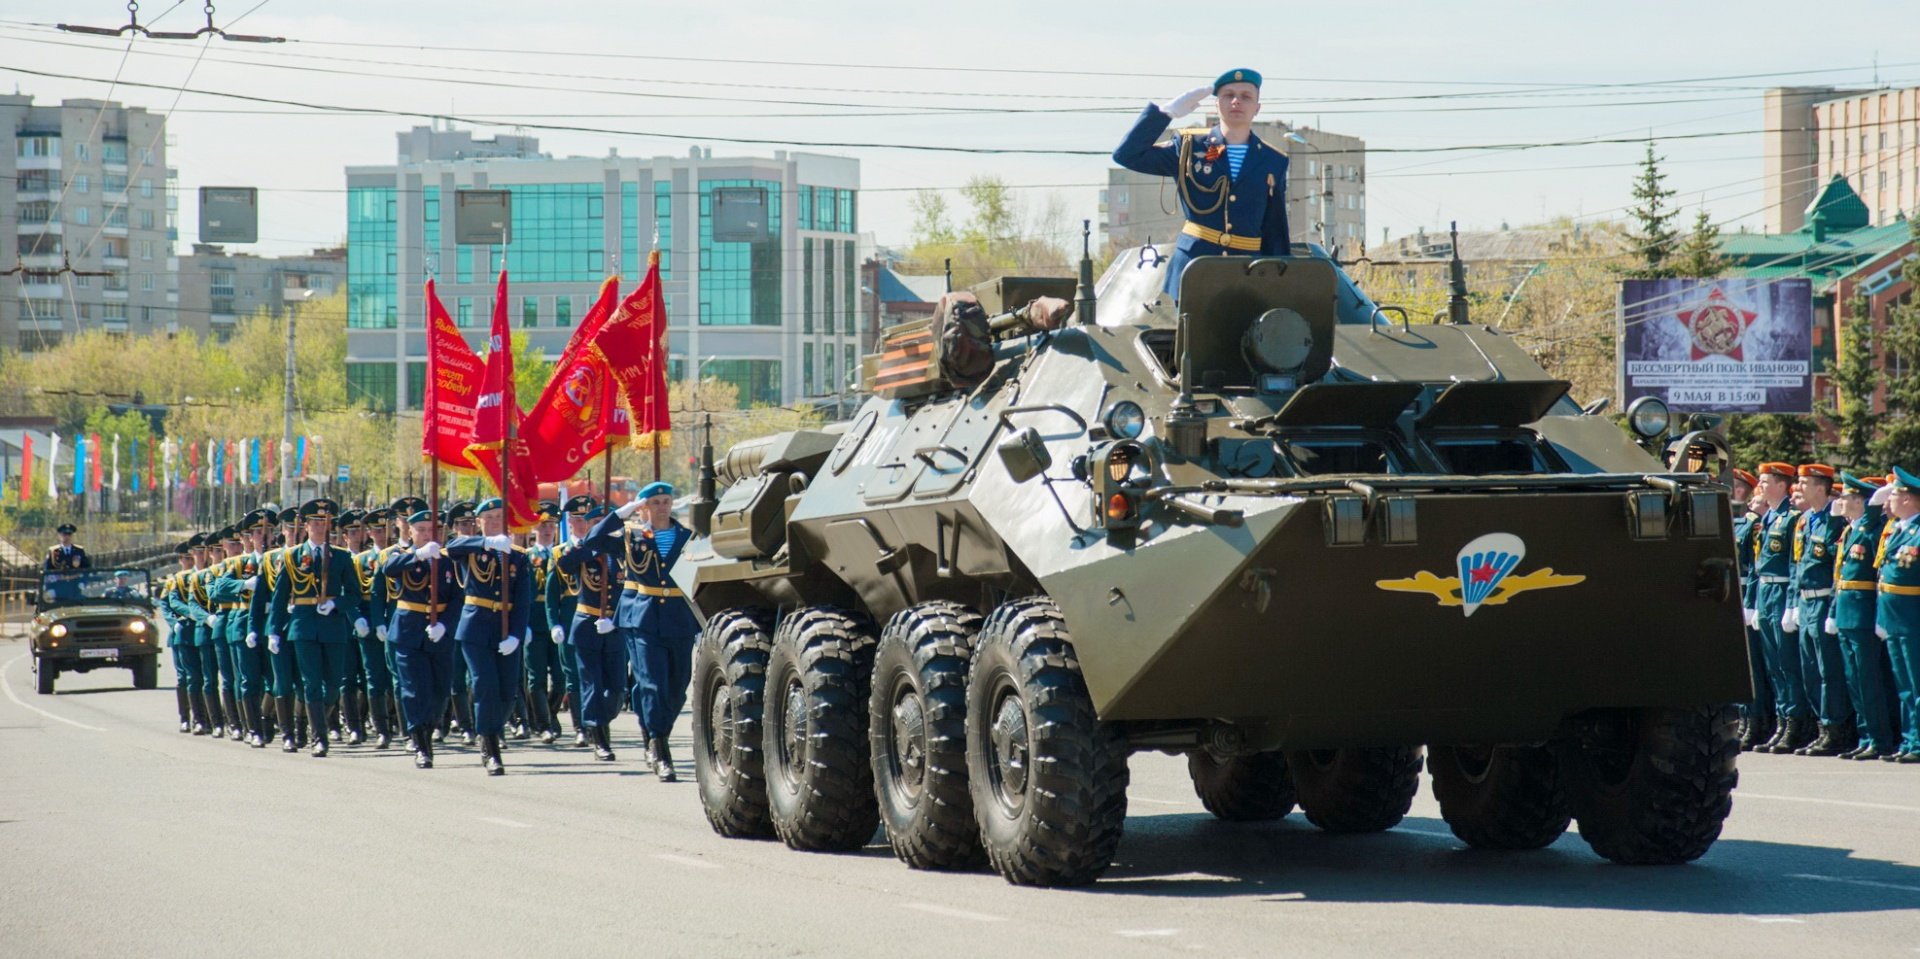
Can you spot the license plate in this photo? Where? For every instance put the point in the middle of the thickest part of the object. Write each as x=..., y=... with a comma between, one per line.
x=99, y=654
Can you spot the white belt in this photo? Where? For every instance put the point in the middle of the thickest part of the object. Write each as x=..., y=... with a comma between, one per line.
x=1816, y=593
x=1776, y=579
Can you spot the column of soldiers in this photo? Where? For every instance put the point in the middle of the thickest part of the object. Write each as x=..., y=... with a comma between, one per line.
x=1831, y=566
x=319, y=626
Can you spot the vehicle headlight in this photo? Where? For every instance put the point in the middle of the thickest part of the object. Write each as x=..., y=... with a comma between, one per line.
x=1125, y=420
x=137, y=627
x=59, y=630
x=1649, y=417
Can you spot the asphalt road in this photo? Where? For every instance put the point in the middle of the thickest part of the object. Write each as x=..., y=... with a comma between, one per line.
x=120, y=836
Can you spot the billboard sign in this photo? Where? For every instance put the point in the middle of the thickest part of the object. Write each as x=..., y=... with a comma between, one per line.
x=1718, y=346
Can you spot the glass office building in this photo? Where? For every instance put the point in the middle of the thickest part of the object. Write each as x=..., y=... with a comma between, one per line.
x=774, y=313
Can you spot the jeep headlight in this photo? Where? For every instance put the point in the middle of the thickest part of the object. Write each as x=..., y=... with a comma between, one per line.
x=137, y=627
x=58, y=631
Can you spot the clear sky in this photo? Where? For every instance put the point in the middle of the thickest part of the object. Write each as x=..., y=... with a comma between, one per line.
x=1408, y=77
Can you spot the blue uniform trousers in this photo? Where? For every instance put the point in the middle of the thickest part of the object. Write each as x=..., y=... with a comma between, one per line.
x=601, y=662
x=1903, y=655
x=285, y=667
x=206, y=666
x=1870, y=681
x=223, y=663
x=186, y=664
x=324, y=668
x=1823, y=668
x=1783, y=653
x=662, y=668
x=252, y=665
x=569, y=658
x=425, y=678
x=378, y=676
x=543, y=666
x=1759, y=710
x=496, y=679
x=182, y=677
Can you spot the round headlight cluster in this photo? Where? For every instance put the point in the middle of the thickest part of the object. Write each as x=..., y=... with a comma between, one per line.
x=1649, y=417
x=137, y=626
x=59, y=630
x=1125, y=420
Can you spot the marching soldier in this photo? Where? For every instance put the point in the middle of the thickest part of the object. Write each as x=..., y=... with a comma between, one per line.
x=232, y=598
x=543, y=679
x=424, y=588
x=460, y=711
x=1757, y=715
x=1773, y=575
x=372, y=647
x=281, y=657
x=1898, y=612
x=659, y=625
x=563, y=602
x=1855, y=584
x=222, y=546
x=67, y=556
x=496, y=582
x=316, y=600
x=1823, y=668
x=599, y=651
x=179, y=633
x=1232, y=186
x=193, y=605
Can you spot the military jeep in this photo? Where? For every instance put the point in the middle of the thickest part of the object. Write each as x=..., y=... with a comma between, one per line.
x=94, y=619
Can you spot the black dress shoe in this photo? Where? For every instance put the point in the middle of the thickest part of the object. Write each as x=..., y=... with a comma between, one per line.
x=579, y=737
x=199, y=730
x=288, y=745
x=602, y=746
x=1908, y=759
x=384, y=741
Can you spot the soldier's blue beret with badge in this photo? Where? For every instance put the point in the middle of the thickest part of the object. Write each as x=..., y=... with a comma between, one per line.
x=321, y=508
x=1903, y=480
x=1241, y=75
x=656, y=489
x=490, y=504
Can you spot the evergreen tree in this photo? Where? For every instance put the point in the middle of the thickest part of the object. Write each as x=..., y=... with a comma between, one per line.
x=1699, y=254
x=1900, y=442
x=1770, y=437
x=1654, y=238
x=1854, y=380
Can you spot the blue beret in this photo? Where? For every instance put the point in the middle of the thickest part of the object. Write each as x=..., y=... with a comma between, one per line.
x=421, y=516
x=655, y=489
x=494, y=503
x=1242, y=75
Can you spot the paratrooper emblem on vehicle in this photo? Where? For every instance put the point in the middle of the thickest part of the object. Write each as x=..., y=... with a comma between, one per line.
x=1485, y=567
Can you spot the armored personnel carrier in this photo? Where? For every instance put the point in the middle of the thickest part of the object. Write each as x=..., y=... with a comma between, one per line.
x=1280, y=530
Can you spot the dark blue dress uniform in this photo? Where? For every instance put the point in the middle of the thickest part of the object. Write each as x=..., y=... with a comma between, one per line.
x=425, y=593
x=1773, y=575
x=659, y=624
x=1823, y=668
x=493, y=584
x=1225, y=214
x=600, y=658
x=1856, y=586
x=1898, y=617
x=68, y=557
x=373, y=647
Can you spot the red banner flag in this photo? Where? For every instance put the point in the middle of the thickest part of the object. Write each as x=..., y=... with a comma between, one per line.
x=496, y=425
x=193, y=465
x=93, y=457
x=453, y=387
x=569, y=424
x=26, y=469
x=634, y=343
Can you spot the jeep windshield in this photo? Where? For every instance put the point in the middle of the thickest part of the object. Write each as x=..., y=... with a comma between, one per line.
x=95, y=586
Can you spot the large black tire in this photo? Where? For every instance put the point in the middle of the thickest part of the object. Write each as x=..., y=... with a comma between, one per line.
x=1048, y=778
x=729, y=685
x=819, y=778
x=1500, y=797
x=146, y=672
x=917, y=715
x=1356, y=790
x=43, y=676
x=1252, y=788
x=1655, y=786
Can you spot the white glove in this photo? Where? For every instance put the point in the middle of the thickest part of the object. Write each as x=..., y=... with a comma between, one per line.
x=1881, y=631
x=1186, y=102
x=253, y=582
x=214, y=621
x=629, y=509
x=428, y=551
x=273, y=645
x=559, y=634
x=603, y=625
x=502, y=543
x=508, y=645
x=1832, y=628
x=325, y=608
x=1790, y=623
x=381, y=632
x=360, y=627
x=1880, y=496
x=1753, y=619
x=435, y=631
x=253, y=640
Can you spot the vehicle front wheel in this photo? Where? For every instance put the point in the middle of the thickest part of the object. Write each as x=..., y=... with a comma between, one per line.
x=1653, y=786
x=729, y=695
x=44, y=674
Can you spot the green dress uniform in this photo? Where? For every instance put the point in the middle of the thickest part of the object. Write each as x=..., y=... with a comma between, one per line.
x=1823, y=668
x=163, y=599
x=190, y=604
x=544, y=682
x=227, y=699
x=316, y=606
x=372, y=647
x=1773, y=573
x=1758, y=712
x=562, y=602
x=1869, y=676
x=232, y=593
x=1898, y=623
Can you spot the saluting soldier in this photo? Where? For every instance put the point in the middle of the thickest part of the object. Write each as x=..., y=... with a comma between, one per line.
x=1756, y=721
x=1232, y=186
x=424, y=589
x=1899, y=608
x=660, y=627
x=67, y=556
x=599, y=649
x=1774, y=596
x=496, y=584
x=1823, y=668
x=369, y=562
x=563, y=603
x=1855, y=585
x=316, y=602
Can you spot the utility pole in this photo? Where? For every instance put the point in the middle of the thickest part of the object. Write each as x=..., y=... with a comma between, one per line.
x=286, y=422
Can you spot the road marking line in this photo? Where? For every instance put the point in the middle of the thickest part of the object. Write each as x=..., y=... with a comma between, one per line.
x=1159, y=802
x=1829, y=802
x=685, y=861
x=953, y=913
x=509, y=823
x=1142, y=933
x=1768, y=920
x=1435, y=833
x=1854, y=882
x=7, y=687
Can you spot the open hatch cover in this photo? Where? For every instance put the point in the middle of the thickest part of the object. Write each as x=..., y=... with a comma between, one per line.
x=1505, y=404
